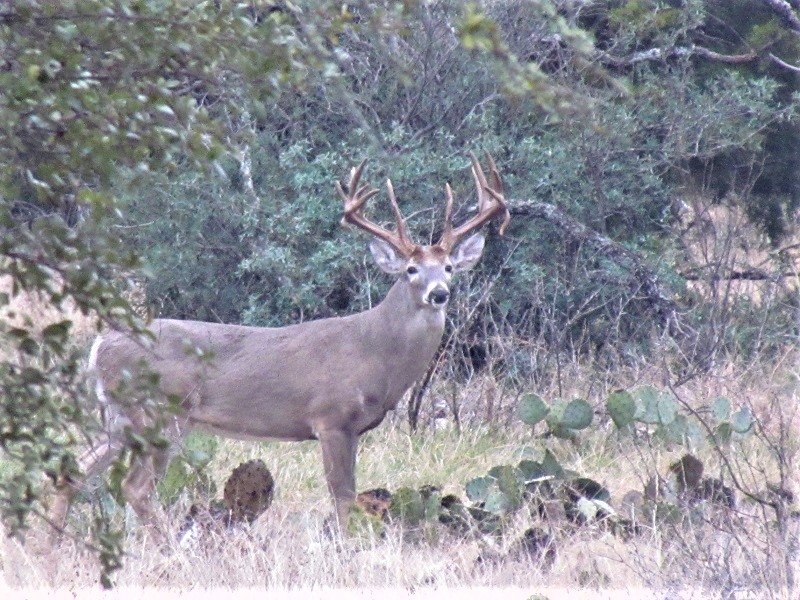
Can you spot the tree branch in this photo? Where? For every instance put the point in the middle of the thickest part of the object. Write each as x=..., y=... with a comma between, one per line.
x=731, y=59
x=644, y=275
x=785, y=13
x=783, y=64
x=750, y=274
x=661, y=54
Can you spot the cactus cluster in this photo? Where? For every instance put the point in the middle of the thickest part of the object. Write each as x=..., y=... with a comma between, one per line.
x=563, y=418
x=536, y=485
x=660, y=410
x=541, y=488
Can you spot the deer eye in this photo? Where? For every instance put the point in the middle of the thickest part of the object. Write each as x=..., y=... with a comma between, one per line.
x=448, y=268
x=412, y=270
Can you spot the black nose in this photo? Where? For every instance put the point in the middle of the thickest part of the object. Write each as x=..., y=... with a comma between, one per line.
x=438, y=295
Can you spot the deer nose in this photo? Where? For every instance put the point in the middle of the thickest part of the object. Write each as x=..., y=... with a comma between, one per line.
x=438, y=295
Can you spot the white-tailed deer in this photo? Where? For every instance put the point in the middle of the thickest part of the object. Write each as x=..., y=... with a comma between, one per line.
x=329, y=380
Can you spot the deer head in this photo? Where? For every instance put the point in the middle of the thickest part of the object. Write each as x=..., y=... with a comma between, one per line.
x=427, y=269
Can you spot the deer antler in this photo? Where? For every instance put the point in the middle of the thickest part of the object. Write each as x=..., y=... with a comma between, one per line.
x=354, y=203
x=491, y=202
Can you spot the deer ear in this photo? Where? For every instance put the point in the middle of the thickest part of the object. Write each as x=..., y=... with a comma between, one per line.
x=468, y=252
x=386, y=257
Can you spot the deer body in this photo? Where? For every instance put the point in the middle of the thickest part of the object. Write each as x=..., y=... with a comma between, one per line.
x=330, y=380
x=275, y=383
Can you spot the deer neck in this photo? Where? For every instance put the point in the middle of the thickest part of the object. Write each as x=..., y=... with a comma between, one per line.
x=411, y=329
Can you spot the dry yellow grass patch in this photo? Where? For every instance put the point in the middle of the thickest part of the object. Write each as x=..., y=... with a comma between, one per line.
x=301, y=593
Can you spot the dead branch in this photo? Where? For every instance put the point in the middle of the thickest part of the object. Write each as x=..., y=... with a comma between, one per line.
x=661, y=54
x=785, y=13
x=645, y=276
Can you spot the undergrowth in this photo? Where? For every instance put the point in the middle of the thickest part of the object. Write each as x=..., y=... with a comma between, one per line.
x=674, y=541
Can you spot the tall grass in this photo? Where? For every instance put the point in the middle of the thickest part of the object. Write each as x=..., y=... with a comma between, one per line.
x=287, y=548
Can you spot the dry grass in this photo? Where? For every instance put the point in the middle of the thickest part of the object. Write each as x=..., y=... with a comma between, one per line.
x=302, y=593
x=286, y=551
x=33, y=311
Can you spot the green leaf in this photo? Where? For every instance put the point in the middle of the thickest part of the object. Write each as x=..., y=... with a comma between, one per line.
x=407, y=506
x=432, y=504
x=721, y=409
x=532, y=409
x=647, y=407
x=677, y=431
x=667, y=409
x=723, y=431
x=32, y=376
x=511, y=482
x=55, y=336
x=695, y=435
x=498, y=502
x=621, y=407
x=551, y=465
x=578, y=414
x=29, y=346
x=742, y=420
x=199, y=449
x=562, y=432
x=176, y=478
x=478, y=488
x=532, y=471
x=656, y=407
x=487, y=522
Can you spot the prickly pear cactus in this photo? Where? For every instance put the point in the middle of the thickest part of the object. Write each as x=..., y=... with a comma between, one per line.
x=407, y=506
x=563, y=418
x=249, y=491
x=375, y=503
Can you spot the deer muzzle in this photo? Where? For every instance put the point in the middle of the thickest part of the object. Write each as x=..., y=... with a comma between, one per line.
x=438, y=296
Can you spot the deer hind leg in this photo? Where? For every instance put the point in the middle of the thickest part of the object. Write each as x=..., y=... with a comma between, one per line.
x=94, y=461
x=140, y=484
x=339, y=460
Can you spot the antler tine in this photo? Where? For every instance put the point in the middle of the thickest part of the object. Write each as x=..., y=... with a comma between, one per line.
x=495, y=190
x=354, y=202
x=447, y=229
x=491, y=202
x=400, y=223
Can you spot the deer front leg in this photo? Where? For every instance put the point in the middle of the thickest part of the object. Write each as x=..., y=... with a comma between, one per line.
x=339, y=460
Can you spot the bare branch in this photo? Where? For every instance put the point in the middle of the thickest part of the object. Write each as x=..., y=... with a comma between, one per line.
x=731, y=59
x=661, y=54
x=783, y=64
x=645, y=276
x=785, y=13
x=750, y=274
